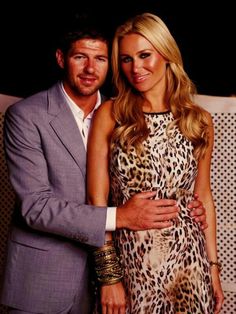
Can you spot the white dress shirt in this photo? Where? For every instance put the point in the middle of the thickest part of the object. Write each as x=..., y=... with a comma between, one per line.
x=84, y=125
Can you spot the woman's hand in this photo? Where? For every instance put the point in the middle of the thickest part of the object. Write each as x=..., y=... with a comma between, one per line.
x=217, y=289
x=113, y=299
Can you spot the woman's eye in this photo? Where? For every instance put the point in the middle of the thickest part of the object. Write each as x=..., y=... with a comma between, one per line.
x=144, y=55
x=126, y=59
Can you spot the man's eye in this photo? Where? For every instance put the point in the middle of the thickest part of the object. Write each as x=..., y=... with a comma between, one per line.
x=102, y=59
x=79, y=57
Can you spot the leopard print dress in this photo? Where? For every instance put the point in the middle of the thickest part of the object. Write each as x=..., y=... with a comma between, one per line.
x=166, y=271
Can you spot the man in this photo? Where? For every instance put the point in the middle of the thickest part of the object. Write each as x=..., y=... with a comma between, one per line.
x=45, y=141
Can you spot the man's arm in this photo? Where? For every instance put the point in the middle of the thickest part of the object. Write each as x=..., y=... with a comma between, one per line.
x=49, y=185
x=198, y=212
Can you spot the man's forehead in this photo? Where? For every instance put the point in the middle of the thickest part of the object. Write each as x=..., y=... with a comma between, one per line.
x=91, y=43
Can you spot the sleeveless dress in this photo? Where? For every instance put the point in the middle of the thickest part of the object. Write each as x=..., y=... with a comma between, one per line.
x=166, y=271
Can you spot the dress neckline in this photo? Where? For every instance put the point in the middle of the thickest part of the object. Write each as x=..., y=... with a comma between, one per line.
x=157, y=113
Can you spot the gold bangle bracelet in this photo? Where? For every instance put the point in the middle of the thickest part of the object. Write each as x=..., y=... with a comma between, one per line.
x=217, y=264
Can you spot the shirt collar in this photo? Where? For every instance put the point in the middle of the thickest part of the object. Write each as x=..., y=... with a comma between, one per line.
x=75, y=108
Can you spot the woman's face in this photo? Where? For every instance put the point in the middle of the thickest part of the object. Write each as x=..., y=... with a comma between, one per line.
x=143, y=66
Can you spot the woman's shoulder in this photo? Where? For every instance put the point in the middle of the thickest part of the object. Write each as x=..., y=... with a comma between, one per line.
x=207, y=116
x=105, y=109
x=204, y=113
x=108, y=103
x=103, y=114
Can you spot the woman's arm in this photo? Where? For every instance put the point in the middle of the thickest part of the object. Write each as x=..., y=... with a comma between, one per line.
x=203, y=188
x=98, y=154
x=112, y=296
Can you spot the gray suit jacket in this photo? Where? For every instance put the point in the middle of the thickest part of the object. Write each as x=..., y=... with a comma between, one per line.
x=52, y=228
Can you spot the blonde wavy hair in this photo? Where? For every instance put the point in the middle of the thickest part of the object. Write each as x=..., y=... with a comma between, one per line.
x=127, y=110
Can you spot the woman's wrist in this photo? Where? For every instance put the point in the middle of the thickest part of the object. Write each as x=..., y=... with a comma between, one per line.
x=107, y=264
x=216, y=264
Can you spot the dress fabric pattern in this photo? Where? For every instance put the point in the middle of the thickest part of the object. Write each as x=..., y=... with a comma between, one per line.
x=166, y=271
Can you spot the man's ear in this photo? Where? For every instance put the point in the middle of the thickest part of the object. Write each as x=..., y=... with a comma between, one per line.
x=60, y=58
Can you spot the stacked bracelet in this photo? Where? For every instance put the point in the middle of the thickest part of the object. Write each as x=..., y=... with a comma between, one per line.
x=107, y=265
x=217, y=264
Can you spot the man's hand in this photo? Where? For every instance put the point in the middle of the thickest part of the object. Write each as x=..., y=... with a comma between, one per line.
x=141, y=212
x=198, y=211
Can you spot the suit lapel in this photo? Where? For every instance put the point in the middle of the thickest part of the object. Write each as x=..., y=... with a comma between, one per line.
x=65, y=127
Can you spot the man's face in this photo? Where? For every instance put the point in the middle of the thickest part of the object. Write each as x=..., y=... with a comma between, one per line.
x=85, y=65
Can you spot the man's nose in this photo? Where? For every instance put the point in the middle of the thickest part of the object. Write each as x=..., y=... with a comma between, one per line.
x=90, y=66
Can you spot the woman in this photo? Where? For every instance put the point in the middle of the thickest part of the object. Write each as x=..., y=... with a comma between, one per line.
x=160, y=140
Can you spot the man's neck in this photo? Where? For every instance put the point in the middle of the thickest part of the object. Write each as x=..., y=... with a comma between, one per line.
x=85, y=102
